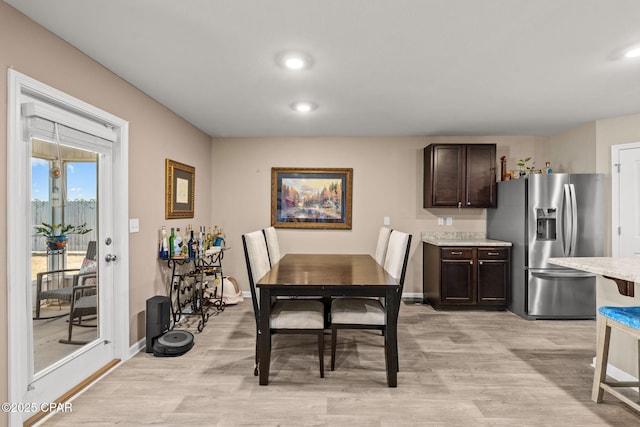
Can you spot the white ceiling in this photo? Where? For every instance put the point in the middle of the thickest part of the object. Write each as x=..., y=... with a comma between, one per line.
x=381, y=67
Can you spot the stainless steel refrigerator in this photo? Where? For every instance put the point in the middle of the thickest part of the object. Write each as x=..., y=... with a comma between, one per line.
x=545, y=216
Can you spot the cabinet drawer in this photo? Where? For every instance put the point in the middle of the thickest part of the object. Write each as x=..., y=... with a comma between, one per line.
x=456, y=253
x=493, y=253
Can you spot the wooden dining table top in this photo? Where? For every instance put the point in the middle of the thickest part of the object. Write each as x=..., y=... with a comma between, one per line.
x=327, y=270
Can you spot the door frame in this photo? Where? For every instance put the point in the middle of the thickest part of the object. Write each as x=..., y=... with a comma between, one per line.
x=18, y=167
x=615, y=194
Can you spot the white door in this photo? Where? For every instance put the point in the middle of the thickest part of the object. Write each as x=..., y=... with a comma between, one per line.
x=40, y=115
x=625, y=199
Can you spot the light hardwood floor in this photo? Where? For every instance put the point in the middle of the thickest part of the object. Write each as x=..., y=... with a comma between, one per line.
x=456, y=369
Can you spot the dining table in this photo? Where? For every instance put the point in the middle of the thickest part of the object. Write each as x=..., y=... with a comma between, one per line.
x=329, y=276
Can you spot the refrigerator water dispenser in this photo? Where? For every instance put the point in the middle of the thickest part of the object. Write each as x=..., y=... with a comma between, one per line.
x=545, y=224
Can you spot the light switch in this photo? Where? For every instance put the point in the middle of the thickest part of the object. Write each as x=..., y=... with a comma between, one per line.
x=440, y=220
x=386, y=220
x=134, y=225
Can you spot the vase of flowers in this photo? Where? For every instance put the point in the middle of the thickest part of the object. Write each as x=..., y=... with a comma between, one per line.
x=56, y=235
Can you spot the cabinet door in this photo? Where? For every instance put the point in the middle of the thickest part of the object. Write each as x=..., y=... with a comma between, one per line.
x=456, y=275
x=444, y=169
x=456, y=280
x=493, y=276
x=480, y=177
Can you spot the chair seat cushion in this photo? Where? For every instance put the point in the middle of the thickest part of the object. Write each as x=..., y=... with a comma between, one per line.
x=629, y=316
x=86, y=302
x=359, y=311
x=63, y=294
x=297, y=314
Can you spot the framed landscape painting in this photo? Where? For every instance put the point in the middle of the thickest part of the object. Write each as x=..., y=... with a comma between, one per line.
x=311, y=198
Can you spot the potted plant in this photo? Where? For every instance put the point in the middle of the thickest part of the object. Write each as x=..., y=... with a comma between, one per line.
x=56, y=235
x=523, y=164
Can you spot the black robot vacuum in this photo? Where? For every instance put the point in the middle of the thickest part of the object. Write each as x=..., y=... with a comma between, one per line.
x=161, y=340
x=173, y=343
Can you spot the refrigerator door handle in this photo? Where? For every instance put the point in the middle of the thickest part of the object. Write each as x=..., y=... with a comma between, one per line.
x=567, y=223
x=574, y=220
x=546, y=274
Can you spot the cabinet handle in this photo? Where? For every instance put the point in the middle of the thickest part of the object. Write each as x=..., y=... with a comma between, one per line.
x=456, y=253
x=459, y=205
x=480, y=262
x=493, y=253
x=468, y=203
x=471, y=262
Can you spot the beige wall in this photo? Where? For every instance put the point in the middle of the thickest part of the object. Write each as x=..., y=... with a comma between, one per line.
x=574, y=151
x=155, y=133
x=387, y=181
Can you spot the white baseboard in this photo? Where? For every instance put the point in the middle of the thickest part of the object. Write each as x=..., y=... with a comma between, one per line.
x=137, y=347
x=412, y=295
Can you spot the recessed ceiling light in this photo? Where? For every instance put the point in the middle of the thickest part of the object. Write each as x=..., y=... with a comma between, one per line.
x=294, y=61
x=304, y=106
x=632, y=53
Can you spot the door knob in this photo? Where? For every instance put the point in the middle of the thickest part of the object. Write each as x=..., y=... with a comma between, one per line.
x=109, y=257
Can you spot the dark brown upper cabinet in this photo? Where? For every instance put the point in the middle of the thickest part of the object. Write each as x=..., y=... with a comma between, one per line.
x=460, y=175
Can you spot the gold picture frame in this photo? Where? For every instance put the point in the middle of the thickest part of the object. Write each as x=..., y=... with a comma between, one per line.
x=180, y=183
x=319, y=198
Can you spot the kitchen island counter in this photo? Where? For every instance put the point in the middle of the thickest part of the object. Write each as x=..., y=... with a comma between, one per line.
x=624, y=271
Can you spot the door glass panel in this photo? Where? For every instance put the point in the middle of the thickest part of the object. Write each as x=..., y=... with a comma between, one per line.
x=64, y=275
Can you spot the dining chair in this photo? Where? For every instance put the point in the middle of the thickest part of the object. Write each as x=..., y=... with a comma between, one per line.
x=273, y=247
x=370, y=313
x=84, y=305
x=288, y=316
x=381, y=246
x=65, y=293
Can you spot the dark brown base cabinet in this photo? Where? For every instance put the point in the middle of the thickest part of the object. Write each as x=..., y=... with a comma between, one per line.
x=466, y=277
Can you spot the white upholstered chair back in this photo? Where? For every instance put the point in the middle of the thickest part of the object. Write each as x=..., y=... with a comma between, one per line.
x=381, y=247
x=258, y=255
x=397, y=251
x=272, y=245
x=257, y=258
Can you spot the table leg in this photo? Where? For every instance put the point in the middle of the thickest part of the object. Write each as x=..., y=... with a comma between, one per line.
x=391, y=337
x=264, y=336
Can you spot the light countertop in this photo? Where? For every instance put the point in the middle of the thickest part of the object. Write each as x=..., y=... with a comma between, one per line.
x=619, y=268
x=460, y=239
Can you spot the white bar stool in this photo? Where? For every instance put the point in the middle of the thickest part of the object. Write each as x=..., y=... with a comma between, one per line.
x=625, y=319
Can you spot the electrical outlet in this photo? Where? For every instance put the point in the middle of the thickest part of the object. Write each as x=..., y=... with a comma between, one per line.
x=134, y=225
x=440, y=220
x=386, y=220
x=449, y=220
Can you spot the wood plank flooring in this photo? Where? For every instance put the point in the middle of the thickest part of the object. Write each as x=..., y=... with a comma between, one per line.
x=456, y=369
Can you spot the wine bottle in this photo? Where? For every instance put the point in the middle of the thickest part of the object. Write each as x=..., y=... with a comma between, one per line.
x=191, y=245
x=172, y=243
x=201, y=237
x=163, y=253
x=177, y=243
x=209, y=242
